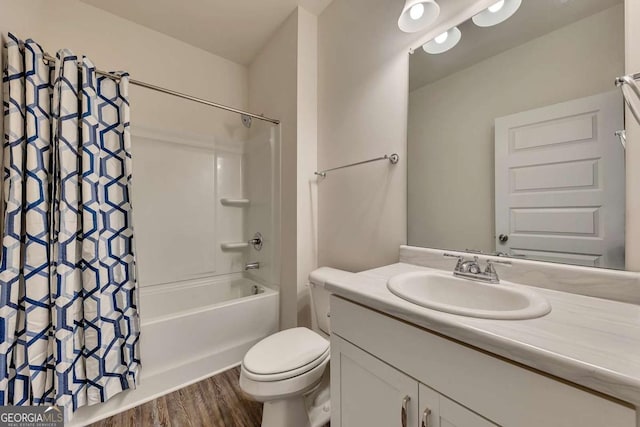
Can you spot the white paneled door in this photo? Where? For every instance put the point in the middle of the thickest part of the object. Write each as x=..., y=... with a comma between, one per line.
x=560, y=182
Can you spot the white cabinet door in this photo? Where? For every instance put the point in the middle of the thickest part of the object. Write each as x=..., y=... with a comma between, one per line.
x=560, y=182
x=366, y=392
x=439, y=411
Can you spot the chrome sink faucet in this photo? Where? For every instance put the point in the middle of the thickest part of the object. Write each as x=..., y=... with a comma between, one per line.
x=470, y=269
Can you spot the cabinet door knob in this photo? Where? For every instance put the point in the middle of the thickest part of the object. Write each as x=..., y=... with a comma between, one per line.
x=403, y=412
x=503, y=238
x=425, y=417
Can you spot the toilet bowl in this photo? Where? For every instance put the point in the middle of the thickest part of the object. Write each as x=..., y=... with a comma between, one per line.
x=288, y=371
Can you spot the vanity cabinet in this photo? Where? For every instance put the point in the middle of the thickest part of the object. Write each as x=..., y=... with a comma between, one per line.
x=372, y=393
x=385, y=371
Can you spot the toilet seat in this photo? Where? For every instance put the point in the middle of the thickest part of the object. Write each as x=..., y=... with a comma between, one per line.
x=287, y=374
x=265, y=391
x=285, y=355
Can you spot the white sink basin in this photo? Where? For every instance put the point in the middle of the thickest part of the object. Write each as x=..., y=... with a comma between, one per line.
x=444, y=292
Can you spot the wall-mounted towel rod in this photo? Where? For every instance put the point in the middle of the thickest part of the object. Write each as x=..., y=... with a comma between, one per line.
x=393, y=158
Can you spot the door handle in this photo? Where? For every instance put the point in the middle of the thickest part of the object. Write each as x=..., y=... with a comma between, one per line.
x=405, y=410
x=503, y=238
x=425, y=417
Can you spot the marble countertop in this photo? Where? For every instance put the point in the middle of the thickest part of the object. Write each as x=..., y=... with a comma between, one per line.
x=592, y=342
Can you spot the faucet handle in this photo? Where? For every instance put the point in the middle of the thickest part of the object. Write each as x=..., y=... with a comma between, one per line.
x=499, y=261
x=460, y=260
x=489, y=269
x=450, y=255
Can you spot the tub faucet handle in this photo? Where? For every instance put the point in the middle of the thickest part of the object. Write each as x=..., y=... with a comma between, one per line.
x=256, y=241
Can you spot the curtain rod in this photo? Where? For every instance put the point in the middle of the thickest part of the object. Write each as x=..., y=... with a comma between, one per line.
x=49, y=58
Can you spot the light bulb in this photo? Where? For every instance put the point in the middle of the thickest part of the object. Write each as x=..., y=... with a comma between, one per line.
x=443, y=42
x=416, y=11
x=498, y=12
x=496, y=6
x=442, y=37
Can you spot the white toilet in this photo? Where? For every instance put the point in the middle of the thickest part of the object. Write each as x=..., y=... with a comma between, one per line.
x=288, y=371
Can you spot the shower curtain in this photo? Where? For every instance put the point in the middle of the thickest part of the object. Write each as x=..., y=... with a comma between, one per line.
x=69, y=326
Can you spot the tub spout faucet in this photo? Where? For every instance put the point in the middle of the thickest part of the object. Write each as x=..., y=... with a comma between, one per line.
x=252, y=266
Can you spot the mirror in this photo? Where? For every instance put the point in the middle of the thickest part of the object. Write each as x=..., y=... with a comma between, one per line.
x=511, y=137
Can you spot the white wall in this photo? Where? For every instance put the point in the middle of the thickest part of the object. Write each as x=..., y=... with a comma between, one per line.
x=115, y=43
x=451, y=143
x=362, y=111
x=282, y=84
x=272, y=84
x=362, y=104
x=307, y=230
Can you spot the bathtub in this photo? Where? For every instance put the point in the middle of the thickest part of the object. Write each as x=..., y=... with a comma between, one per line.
x=191, y=331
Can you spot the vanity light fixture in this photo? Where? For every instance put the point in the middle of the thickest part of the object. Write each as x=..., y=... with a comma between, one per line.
x=418, y=15
x=443, y=42
x=498, y=12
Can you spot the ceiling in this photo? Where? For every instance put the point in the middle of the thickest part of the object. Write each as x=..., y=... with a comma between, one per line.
x=534, y=19
x=233, y=29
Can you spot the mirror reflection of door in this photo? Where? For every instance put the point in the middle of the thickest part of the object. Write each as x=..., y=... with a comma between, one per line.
x=510, y=137
x=559, y=187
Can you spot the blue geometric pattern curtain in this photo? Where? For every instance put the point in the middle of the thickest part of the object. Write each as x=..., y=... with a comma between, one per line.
x=69, y=325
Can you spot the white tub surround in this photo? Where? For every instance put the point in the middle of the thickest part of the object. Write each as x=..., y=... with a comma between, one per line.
x=590, y=342
x=190, y=331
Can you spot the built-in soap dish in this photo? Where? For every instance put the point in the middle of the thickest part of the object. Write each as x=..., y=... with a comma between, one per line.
x=240, y=203
x=256, y=242
x=234, y=246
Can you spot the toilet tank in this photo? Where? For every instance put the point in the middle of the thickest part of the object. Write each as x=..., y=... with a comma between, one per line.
x=320, y=296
